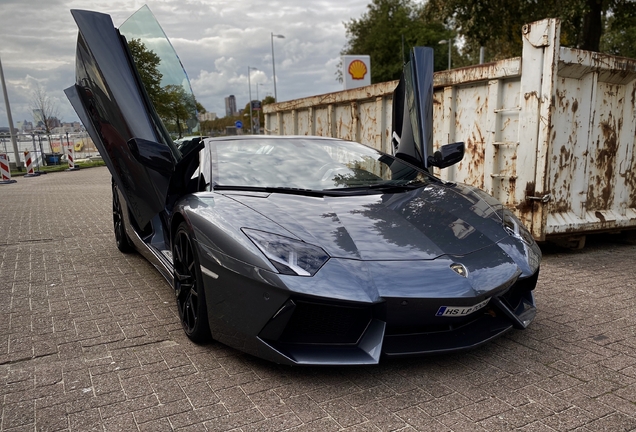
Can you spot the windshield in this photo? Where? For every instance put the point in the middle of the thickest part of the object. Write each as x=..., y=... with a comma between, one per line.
x=305, y=163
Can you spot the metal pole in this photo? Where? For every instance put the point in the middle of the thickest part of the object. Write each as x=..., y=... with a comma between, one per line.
x=273, y=67
x=41, y=149
x=450, y=43
x=16, y=153
x=274, y=63
x=249, y=86
x=481, y=55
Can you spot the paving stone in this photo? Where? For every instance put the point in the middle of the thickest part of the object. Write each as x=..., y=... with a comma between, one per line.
x=90, y=340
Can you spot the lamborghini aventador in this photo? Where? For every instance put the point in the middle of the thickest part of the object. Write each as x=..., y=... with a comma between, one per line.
x=297, y=249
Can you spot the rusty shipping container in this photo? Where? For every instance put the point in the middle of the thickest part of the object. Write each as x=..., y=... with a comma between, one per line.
x=550, y=134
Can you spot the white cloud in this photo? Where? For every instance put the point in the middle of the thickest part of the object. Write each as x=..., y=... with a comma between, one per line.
x=216, y=41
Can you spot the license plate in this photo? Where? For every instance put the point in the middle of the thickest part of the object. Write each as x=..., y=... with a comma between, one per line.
x=459, y=311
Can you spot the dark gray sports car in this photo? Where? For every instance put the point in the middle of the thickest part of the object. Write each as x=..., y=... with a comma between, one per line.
x=299, y=250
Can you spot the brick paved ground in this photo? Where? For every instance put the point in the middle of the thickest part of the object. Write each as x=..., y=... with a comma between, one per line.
x=90, y=340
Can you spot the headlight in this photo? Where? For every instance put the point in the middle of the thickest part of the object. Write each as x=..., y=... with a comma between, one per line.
x=289, y=256
x=515, y=228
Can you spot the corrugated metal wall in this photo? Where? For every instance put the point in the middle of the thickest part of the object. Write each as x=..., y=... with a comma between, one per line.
x=550, y=134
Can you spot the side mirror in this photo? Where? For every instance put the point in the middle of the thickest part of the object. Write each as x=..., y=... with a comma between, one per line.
x=447, y=155
x=152, y=155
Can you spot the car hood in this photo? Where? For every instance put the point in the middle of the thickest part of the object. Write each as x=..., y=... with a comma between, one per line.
x=420, y=224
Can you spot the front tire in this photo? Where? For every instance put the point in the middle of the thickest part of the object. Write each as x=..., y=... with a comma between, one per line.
x=119, y=225
x=188, y=286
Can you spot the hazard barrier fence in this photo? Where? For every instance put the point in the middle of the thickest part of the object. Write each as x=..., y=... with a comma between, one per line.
x=28, y=162
x=5, y=171
x=70, y=157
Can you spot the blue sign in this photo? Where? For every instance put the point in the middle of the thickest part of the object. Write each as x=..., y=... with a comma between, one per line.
x=238, y=124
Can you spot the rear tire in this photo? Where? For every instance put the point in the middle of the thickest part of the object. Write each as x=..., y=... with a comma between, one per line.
x=188, y=286
x=119, y=225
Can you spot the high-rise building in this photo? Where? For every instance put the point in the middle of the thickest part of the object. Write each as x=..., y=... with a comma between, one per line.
x=38, y=117
x=230, y=106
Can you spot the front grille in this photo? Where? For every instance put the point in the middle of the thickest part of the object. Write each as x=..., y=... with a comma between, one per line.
x=393, y=330
x=519, y=290
x=320, y=323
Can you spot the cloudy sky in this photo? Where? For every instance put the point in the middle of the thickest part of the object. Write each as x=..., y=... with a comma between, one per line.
x=216, y=40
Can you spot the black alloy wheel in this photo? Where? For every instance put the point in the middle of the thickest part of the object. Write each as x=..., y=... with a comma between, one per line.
x=188, y=285
x=121, y=238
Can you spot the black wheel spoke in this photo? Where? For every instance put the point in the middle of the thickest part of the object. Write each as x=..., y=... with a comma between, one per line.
x=188, y=288
x=121, y=238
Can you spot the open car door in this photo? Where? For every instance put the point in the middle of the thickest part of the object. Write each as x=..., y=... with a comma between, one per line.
x=128, y=109
x=413, y=109
x=412, y=123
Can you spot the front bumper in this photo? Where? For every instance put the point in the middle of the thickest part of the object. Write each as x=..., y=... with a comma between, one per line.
x=319, y=332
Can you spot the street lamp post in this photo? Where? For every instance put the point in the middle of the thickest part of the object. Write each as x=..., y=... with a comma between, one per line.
x=274, y=63
x=249, y=86
x=450, y=44
x=14, y=142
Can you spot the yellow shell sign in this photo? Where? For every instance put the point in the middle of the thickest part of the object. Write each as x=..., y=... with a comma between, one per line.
x=357, y=69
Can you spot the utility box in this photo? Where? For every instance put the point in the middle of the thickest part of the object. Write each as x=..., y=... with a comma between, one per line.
x=550, y=134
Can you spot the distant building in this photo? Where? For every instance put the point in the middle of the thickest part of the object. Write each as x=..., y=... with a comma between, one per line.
x=207, y=116
x=230, y=106
x=54, y=122
x=67, y=127
x=38, y=118
x=25, y=126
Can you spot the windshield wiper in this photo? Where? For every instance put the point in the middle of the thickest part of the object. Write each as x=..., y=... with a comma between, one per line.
x=269, y=189
x=410, y=185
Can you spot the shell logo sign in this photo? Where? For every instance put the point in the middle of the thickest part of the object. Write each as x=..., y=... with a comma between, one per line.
x=356, y=71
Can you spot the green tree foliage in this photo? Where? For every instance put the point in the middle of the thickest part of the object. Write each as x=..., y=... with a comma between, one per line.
x=496, y=24
x=147, y=63
x=175, y=105
x=217, y=126
x=620, y=30
x=177, y=108
x=380, y=32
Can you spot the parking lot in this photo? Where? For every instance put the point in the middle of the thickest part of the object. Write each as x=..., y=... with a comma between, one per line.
x=90, y=340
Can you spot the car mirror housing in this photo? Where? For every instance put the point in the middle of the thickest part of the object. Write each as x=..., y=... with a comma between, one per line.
x=447, y=155
x=152, y=155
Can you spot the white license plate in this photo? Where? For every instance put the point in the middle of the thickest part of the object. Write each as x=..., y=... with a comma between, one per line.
x=459, y=311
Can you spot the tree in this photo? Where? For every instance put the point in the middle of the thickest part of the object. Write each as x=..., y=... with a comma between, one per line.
x=386, y=28
x=177, y=109
x=175, y=105
x=217, y=126
x=44, y=109
x=496, y=24
x=147, y=64
x=620, y=30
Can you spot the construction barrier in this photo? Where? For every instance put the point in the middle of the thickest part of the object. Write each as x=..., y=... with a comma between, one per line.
x=29, y=165
x=5, y=171
x=70, y=156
